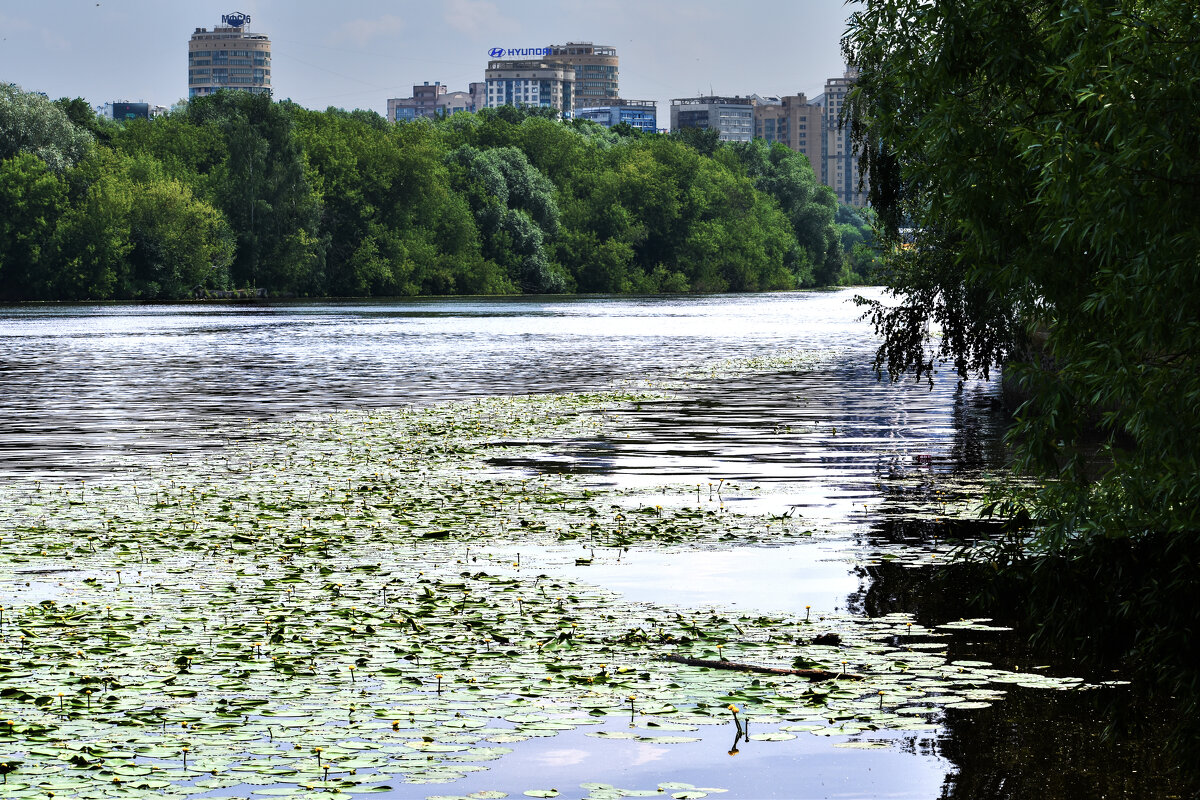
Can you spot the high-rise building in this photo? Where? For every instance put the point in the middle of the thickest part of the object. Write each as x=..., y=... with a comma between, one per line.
x=840, y=166
x=229, y=57
x=732, y=117
x=531, y=83
x=640, y=114
x=792, y=121
x=597, y=72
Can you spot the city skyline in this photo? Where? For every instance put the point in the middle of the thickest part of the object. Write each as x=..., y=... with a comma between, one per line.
x=369, y=50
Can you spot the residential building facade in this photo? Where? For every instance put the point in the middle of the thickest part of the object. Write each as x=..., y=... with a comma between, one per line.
x=732, y=117
x=423, y=103
x=840, y=166
x=478, y=90
x=794, y=122
x=453, y=102
x=597, y=71
x=530, y=83
x=229, y=57
x=640, y=114
x=431, y=100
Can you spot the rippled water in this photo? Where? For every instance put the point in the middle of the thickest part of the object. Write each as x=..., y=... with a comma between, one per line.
x=83, y=384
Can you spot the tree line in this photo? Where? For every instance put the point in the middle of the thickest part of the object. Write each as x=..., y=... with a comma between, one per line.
x=235, y=190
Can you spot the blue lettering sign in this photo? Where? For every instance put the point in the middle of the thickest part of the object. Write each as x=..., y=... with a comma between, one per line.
x=518, y=52
x=235, y=20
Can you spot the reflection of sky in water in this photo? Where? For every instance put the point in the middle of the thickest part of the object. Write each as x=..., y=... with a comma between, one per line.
x=784, y=579
x=805, y=768
x=768, y=579
x=559, y=758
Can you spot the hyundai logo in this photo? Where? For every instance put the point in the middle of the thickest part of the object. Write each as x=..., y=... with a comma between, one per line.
x=518, y=52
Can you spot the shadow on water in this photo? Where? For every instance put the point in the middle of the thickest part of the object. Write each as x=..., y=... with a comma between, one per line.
x=1110, y=742
x=1053, y=745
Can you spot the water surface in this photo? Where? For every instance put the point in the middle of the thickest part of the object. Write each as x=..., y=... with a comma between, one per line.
x=92, y=388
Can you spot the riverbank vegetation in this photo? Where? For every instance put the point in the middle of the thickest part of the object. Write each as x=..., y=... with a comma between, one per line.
x=235, y=191
x=1041, y=166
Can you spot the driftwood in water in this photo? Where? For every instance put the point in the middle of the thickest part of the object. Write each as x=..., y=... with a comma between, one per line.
x=812, y=674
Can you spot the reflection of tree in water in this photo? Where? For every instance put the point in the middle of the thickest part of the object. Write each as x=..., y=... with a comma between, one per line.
x=979, y=422
x=1034, y=743
x=912, y=486
x=1051, y=745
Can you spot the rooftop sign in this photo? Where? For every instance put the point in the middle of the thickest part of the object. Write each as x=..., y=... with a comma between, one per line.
x=518, y=52
x=235, y=20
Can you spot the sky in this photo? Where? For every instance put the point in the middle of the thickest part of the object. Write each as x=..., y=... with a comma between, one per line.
x=358, y=53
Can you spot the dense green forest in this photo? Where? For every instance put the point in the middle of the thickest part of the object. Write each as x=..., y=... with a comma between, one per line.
x=236, y=191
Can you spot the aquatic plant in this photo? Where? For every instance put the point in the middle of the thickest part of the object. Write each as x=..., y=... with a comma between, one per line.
x=335, y=603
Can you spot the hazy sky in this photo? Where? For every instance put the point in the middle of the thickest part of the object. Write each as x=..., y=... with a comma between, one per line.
x=358, y=53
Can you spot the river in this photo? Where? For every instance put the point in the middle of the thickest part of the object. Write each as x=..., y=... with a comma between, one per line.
x=91, y=390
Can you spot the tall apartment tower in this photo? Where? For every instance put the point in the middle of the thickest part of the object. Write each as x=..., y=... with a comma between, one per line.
x=795, y=122
x=597, y=72
x=229, y=57
x=530, y=83
x=840, y=169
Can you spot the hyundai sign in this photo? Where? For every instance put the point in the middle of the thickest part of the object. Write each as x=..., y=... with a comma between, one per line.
x=235, y=20
x=518, y=52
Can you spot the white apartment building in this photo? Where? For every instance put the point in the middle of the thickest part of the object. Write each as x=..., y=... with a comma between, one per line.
x=530, y=83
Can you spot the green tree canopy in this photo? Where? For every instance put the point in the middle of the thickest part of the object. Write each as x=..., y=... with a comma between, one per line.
x=32, y=199
x=345, y=203
x=29, y=123
x=809, y=205
x=84, y=117
x=264, y=189
x=516, y=212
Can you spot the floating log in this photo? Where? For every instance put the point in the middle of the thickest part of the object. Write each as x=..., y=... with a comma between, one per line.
x=815, y=675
